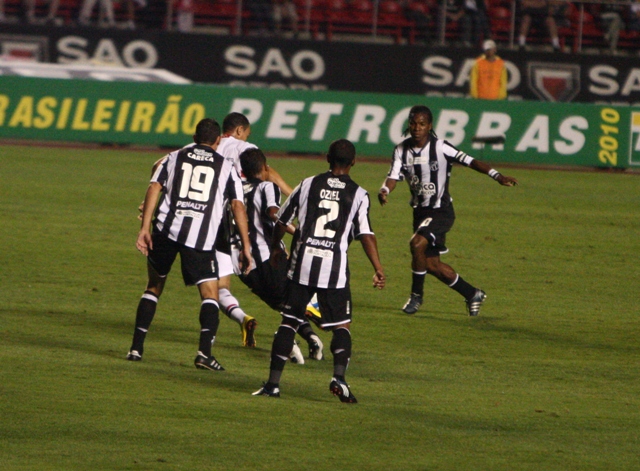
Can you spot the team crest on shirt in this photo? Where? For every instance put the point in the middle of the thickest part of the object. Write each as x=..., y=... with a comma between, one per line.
x=434, y=166
x=336, y=183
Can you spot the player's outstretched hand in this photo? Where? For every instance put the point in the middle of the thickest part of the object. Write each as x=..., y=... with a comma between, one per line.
x=144, y=242
x=382, y=197
x=379, y=280
x=507, y=181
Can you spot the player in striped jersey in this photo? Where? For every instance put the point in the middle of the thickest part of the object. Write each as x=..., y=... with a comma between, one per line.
x=425, y=162
x=236, y=130
x=331, y=210
x=262, y=200
x=192, y=185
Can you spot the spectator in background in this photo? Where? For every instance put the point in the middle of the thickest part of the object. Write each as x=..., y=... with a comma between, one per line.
x=285, y=10
x=560, y=13
x=3, y=18
x=418, y=12
x=262, y=14
x=106, y=7
x=611, y=22
x=131, y=5
x=489, y=75
x=633, y=23
x=51, y=19
x=537, y=13
x=474, y=22
x=454, y=12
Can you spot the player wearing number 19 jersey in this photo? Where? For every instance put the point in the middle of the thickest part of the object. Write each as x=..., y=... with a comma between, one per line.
x=331, y=210
x=192, y=185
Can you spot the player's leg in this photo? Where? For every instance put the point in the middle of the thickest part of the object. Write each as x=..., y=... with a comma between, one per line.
x=474, y=297
x=418, y=245
x=230, y=304
x=200, y=268
x=209, y=322
x=313, y=340
x=335, y=305
x=297, y=298
x=159, y=263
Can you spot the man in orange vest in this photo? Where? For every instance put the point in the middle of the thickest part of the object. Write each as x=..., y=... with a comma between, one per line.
x=489, y=75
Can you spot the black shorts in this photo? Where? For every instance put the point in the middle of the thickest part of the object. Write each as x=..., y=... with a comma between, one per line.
x=197, y=265
x=269, y=283
x=433, y=225
x=334, y=304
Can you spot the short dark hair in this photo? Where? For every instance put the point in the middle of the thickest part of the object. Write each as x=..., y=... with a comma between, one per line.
x=341, y=153
x=233, y=120
x=252, y=162
x=207, y=131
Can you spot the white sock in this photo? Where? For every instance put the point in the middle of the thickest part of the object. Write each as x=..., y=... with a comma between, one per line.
x=230, y=306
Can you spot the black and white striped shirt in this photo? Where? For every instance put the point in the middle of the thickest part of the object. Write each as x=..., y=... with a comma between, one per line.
x=331, y=211
x=427, y=170
x=259, y=197
x=196, y=180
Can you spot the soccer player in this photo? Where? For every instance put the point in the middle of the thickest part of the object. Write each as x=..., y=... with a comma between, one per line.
x=262, y=201
x=192, y=184
x=425, y=162
x=331, y=210
x=236, y=130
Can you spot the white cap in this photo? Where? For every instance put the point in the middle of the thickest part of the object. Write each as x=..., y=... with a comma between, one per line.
x=489, y=44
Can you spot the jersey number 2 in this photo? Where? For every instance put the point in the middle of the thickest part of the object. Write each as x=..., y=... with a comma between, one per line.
x=321, y=223
x=196, y=182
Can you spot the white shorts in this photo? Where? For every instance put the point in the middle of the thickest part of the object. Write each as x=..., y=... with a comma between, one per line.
x=225, y=266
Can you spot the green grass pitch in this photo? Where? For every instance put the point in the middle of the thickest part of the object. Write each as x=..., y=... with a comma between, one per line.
x=546, y=378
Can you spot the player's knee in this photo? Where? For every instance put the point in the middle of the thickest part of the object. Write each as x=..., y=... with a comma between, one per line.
x=418, y=244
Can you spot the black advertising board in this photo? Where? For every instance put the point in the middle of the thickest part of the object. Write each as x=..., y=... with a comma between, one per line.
x=324, y=65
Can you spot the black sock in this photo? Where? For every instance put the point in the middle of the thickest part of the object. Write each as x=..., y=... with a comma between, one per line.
x=341, y=350
x=209, y=321
x=417, y=283
x=280, y=351
x=144, y=317
x=306, y=331
x=462, y=287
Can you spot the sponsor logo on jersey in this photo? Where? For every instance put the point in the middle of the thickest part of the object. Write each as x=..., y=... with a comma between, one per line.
x=336, y=183
x=200, y=154
x=321, y=243
x=319, y=252
x=187, y=213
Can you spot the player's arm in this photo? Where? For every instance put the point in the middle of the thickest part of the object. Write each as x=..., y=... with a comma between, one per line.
x=387, y=187
x=275, y=177
x=144, y=242
x=482, y=167
x=370, y=246
x=153, y=171
x=272, y=212
x=242, y=224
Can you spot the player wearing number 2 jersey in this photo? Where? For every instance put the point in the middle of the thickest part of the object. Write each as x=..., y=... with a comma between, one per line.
x=192, y=185
x=425, y=162
x=331, y=210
